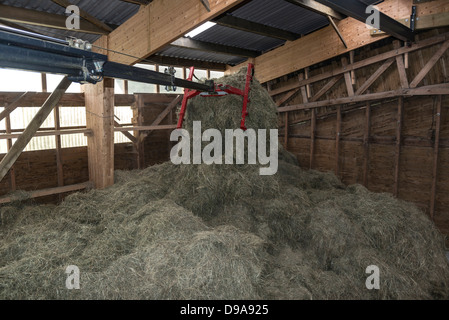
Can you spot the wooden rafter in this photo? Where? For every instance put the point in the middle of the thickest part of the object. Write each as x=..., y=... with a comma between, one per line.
x=158, y=24
x=332, y=23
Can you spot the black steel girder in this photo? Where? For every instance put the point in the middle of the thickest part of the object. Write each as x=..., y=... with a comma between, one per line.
x=357, y=10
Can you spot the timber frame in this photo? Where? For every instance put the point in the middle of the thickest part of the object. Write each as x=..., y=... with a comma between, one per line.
x=359, y=99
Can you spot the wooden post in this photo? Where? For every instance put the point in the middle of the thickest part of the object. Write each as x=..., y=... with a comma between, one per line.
x=305, y=98
x=12, y=176
x=398, y=146
x=58, y=149
x=100, y=119
x=138, y=111
x=401, y=66
x=126, y=87
x=366, y=143
x=435, y=158
x=348, y=81
x=308, y=90
x=44, y=82
x=312, y=136
x=351, y=61
x=158, y=88
x=11, y=157
x=337, y=142
x=286, y=131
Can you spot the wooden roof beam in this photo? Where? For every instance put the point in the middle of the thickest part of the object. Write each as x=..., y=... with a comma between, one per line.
x=158, y=24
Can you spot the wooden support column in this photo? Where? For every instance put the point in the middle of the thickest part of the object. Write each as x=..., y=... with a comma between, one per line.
x=126, y=87
x=100, y=119
x=12, y=172
x=11, y=157
x=305, y=97
x=44, y=82
x=351, y=61
x=286, y=131
x=308, y=89
x=158, y=87
x=401, y=66
x=398, y=146
x=348, y=81
x=138, y=112
x=337, y=142
x=435, y=158
x=312, y=136
x=58, y=149
x=366, y=137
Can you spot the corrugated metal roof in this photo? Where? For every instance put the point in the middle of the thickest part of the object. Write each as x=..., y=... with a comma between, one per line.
x=109, y=11
x=185, y=53
x=282, y=15
x=237, y=38
x=113, y=12
x=276, y=13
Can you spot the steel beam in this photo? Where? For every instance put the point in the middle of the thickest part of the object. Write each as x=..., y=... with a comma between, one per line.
x=32, y=53
x=257, y=28
x=213, y=47
x=357, y=10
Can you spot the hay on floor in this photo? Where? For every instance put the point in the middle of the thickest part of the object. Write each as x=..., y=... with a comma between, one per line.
x=223, y=232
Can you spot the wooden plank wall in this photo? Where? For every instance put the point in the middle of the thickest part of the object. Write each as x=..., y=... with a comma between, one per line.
x=415, y=161
x=157, y=144
x=36, y=170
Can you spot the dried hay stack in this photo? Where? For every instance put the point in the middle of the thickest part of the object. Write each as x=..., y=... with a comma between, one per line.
x=222, y=232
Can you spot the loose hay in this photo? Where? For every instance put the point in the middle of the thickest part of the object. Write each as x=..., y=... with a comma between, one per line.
x=222, y=232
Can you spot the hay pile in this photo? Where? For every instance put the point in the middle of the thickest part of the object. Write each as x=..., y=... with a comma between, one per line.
x=222, y=232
